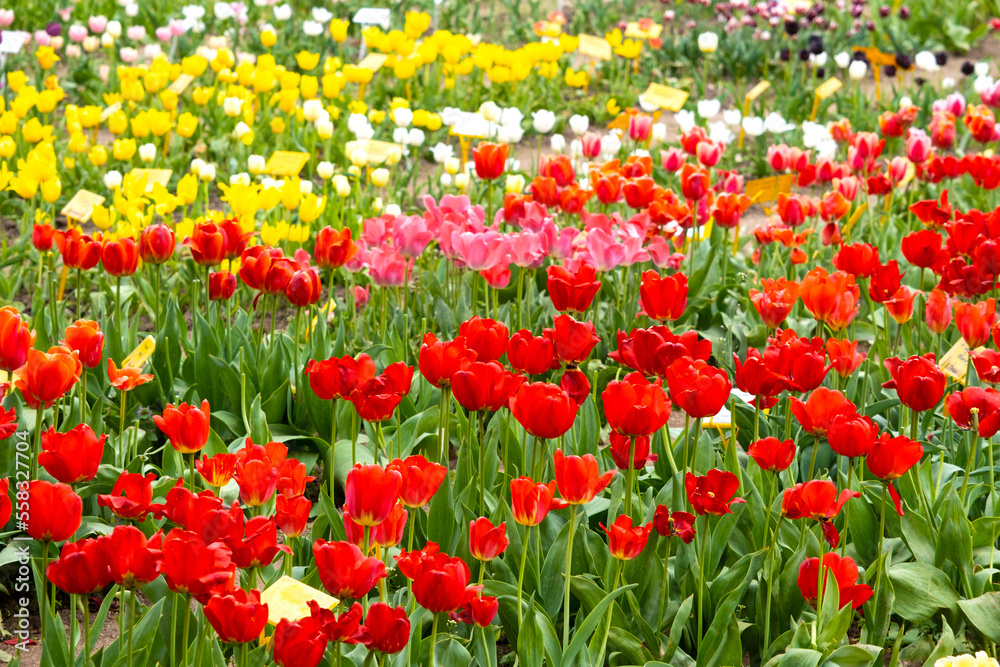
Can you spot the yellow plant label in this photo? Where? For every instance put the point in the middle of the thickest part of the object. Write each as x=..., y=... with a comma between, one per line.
x=378, y=151
x=110, y=110
x=828, y=87
x=81, y=206
x=286, y=163
x=154, y=176
x=594, y=47
x=665, y=97
x=373, y=61
x=289, y=598
x=181, y=83
x=138, y=357
x=955, y=362
x=765, y=190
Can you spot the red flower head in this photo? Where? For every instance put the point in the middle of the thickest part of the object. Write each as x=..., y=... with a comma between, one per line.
x=938, y=311
x=844, y=356
x=860, y=259
x=572, y=291
x=981, y=122
x=126, y=378
x=388, y=628
x=156, y=244
x=986, y=401
x=236, y=238
x=73, y=456
x=259, y=544
x=639, y=192
x=292, y=478
x=651, y=351
x=82, y=568
x=256, y=475
x=486, y=337
x=574, y=382
x=479, y=610
x=41, y=237
x=890, y=458
x=6, y=507
x=79, y=251
x=544, y=410
x=754, y=377
x=484, y=386
x=345, y=628
x=387, y=534
x=208, y=244
x=663, y=298
x=558, y=167
x=851, y=435
x=918, y=381
x=440, y=360
x=573, y=340
x=121, y=257
x=303, y=288
x=217, y=470
x=674, y=524
x=300, y=643
x=531, y=502
x=490, y=159
x=633, y=406
x=54, y=511
x=922, y=248
x=420, y=479
x=799, y=362
x=532, y=355
x=338, y=377
x=712, y=493
x=698, y=389
x=190, y=565
x=817, y=499
x=932, y=211
x=133, y=560
x=376, y=399
x=695, y=182
x=186, y=426
x=822, y=406
x=607, y=186
x=987, y=363
x=579, y=478
x=974, y=321
x=771, y=454
x=822, y=293
x=239, y=617
x=16, y=338
x=344, y=570
x=622, y=446
x=131, y=495
x=371, y=492
x=334, y=248
x=626, y=542
x=85, y=338
x=775, y=302
x=292, y=515
x=845, y=576
x=487, y=541
x=47, y=376
x=221, y=286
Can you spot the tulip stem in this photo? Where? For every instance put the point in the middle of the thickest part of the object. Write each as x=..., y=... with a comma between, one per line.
x=630, y=476
x=881, y=546
x=173, y=630
x=86, y=630
x=191, y=462
x=121, y=427
x=569, y=573
x=354, y=438
x=687, y=436
x=819, y=587
x=770, y=588
x=482, y=473
x=187, y=627
x=847, y=508
x=79, y=291
x=812, y=459
x=701, y=578
x=131, y=625
x=434, y=631
x=118, y=304
x=156, y=302
x=520, y=576
x=972, y=452
x=664, y=589
x=446, y=421
x=83, y=393
x=333, y=444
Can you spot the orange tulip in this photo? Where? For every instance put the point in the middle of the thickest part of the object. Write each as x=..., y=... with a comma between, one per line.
x=47, y=376
x=490, y=159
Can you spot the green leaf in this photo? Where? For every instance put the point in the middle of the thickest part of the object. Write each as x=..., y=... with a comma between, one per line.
x=800, y=657
x=983, y=614
x=585, y=629
x=921, y=590
x=918, y=536
x=850, y=656
x=944, y=647
x=441, y=518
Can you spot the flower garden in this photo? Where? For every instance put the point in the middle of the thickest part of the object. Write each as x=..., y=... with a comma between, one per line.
x=499, y=334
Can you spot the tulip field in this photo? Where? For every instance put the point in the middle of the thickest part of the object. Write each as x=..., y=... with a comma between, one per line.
x=521, y=334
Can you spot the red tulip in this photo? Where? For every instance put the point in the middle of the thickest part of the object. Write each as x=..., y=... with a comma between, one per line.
x=579, y=479
x=47, y=376
x=486, y=337
x=480, y=610
x=156, y=244
x=544, y=410
x=439, y=582
x=531, y=502
x=822, y=406
x=54, y=511
x=376, y=399
x=131, y=495
x=799, y=362
x=890, y=458
x=345, y=628
x=573, y=340
x=674, y=524
x=938, y=311
x=16, y=338
x=126, y=378
x=698, y=389
x=133, y=561
x=922, y=248
x=817, y=499
x=339, y=377
x=221, y=286
x=974, y=321
x=121, y=257
x=300, y=643
x=532, y=355
x=419, y=479
x=82, y=568
x=371, y=492
x=771, y=454
x=622, y=446
x=303, y=288
x=78, y=250
x=186, y=426
x=851, y=434
x=844, y=575
x=208, y=243
x=239, y=617
x=292, y=478
x=626, y=542
x=663, y=298
x=41, y=237
x=572, y=290
x=192, y=566
x=344, y=570
x=484, y=386
x=859, y=259
x=918, y=382
x=490, y=159
x=257, y=546
x=217, y=470
x=73, y=456
x=754, y=377
x=487, y=541
x=844, y=356
x=256, y=475
x=712, y=493
x=292, y=515
x=775, y=302
x=822, y=293
x=634, y=406
x=651, y=351
x=236, y=238
x=85, y=338
x=334, y=248
x=6, y=507
x=388, y=628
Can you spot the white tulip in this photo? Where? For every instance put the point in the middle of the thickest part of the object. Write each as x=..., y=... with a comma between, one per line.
x=708, y=42
x=255, y=164
x=753, y=125
x=558, y=143
x=442, y=152
x=709, y=108
x=857, y=70
x=543, y=121
x=579, y=124
x=305, y=186
x=843, y=59
x=393, y=209
x=324, y=170
x=311, y=110
x=402, y=116
x=207, y=173
x=147, y=152
x=112, y=179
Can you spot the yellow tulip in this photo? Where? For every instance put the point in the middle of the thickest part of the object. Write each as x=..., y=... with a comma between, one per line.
x=187, y=189
x=269, y=235
x=104, y=217
x=77, y=142
x=118, y=122
x=140, y=125
x=194, y=65
x=46, y=57
x=33, y=131
x=51, y=189
x=612, y=107
x=123, y=149
x=163, y=201
x=277, y=125
x=416, y=24
x=311, y=208
x=268, y=38
x=16, y=80
x=201, y=96
x=187, y=123
x=97, y=155
x=404, y=69
x=291, y=194
x=338, y=29
x=8, y=123
x=48, y=100
x=69, y=163
x=263, y=80
x=24, y=186
x=306, y=61
x=309, y=85
x=269, y=198
x=168, y=99
x=7, y=147
x=158, y=121
x=5, y=176
x=333, y=85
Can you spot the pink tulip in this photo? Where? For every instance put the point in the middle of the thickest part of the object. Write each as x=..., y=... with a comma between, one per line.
x=634, y=252
x=77, y=33
x=410, y=235
x=528, y=250
x=777, y=157
x=128, y=55
x=639, y=127
x=177, y=27
x=97, y=24
x=42, y=38
x=388, y=267
x=361, y=296
x=918, y=146
x=480, y=251
x=377, y=231
x=729, y=181
x=361, y=259
x=536, y=217
x=955, y=103
x=848, y=186
x=497, y=277
x=564, y=245
x=709, y=153
x=672, y=159
x=591, y=145
x=163, y=34
x=603, y=252
x=897, y=169
x=136, y=33
x=6, y=18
